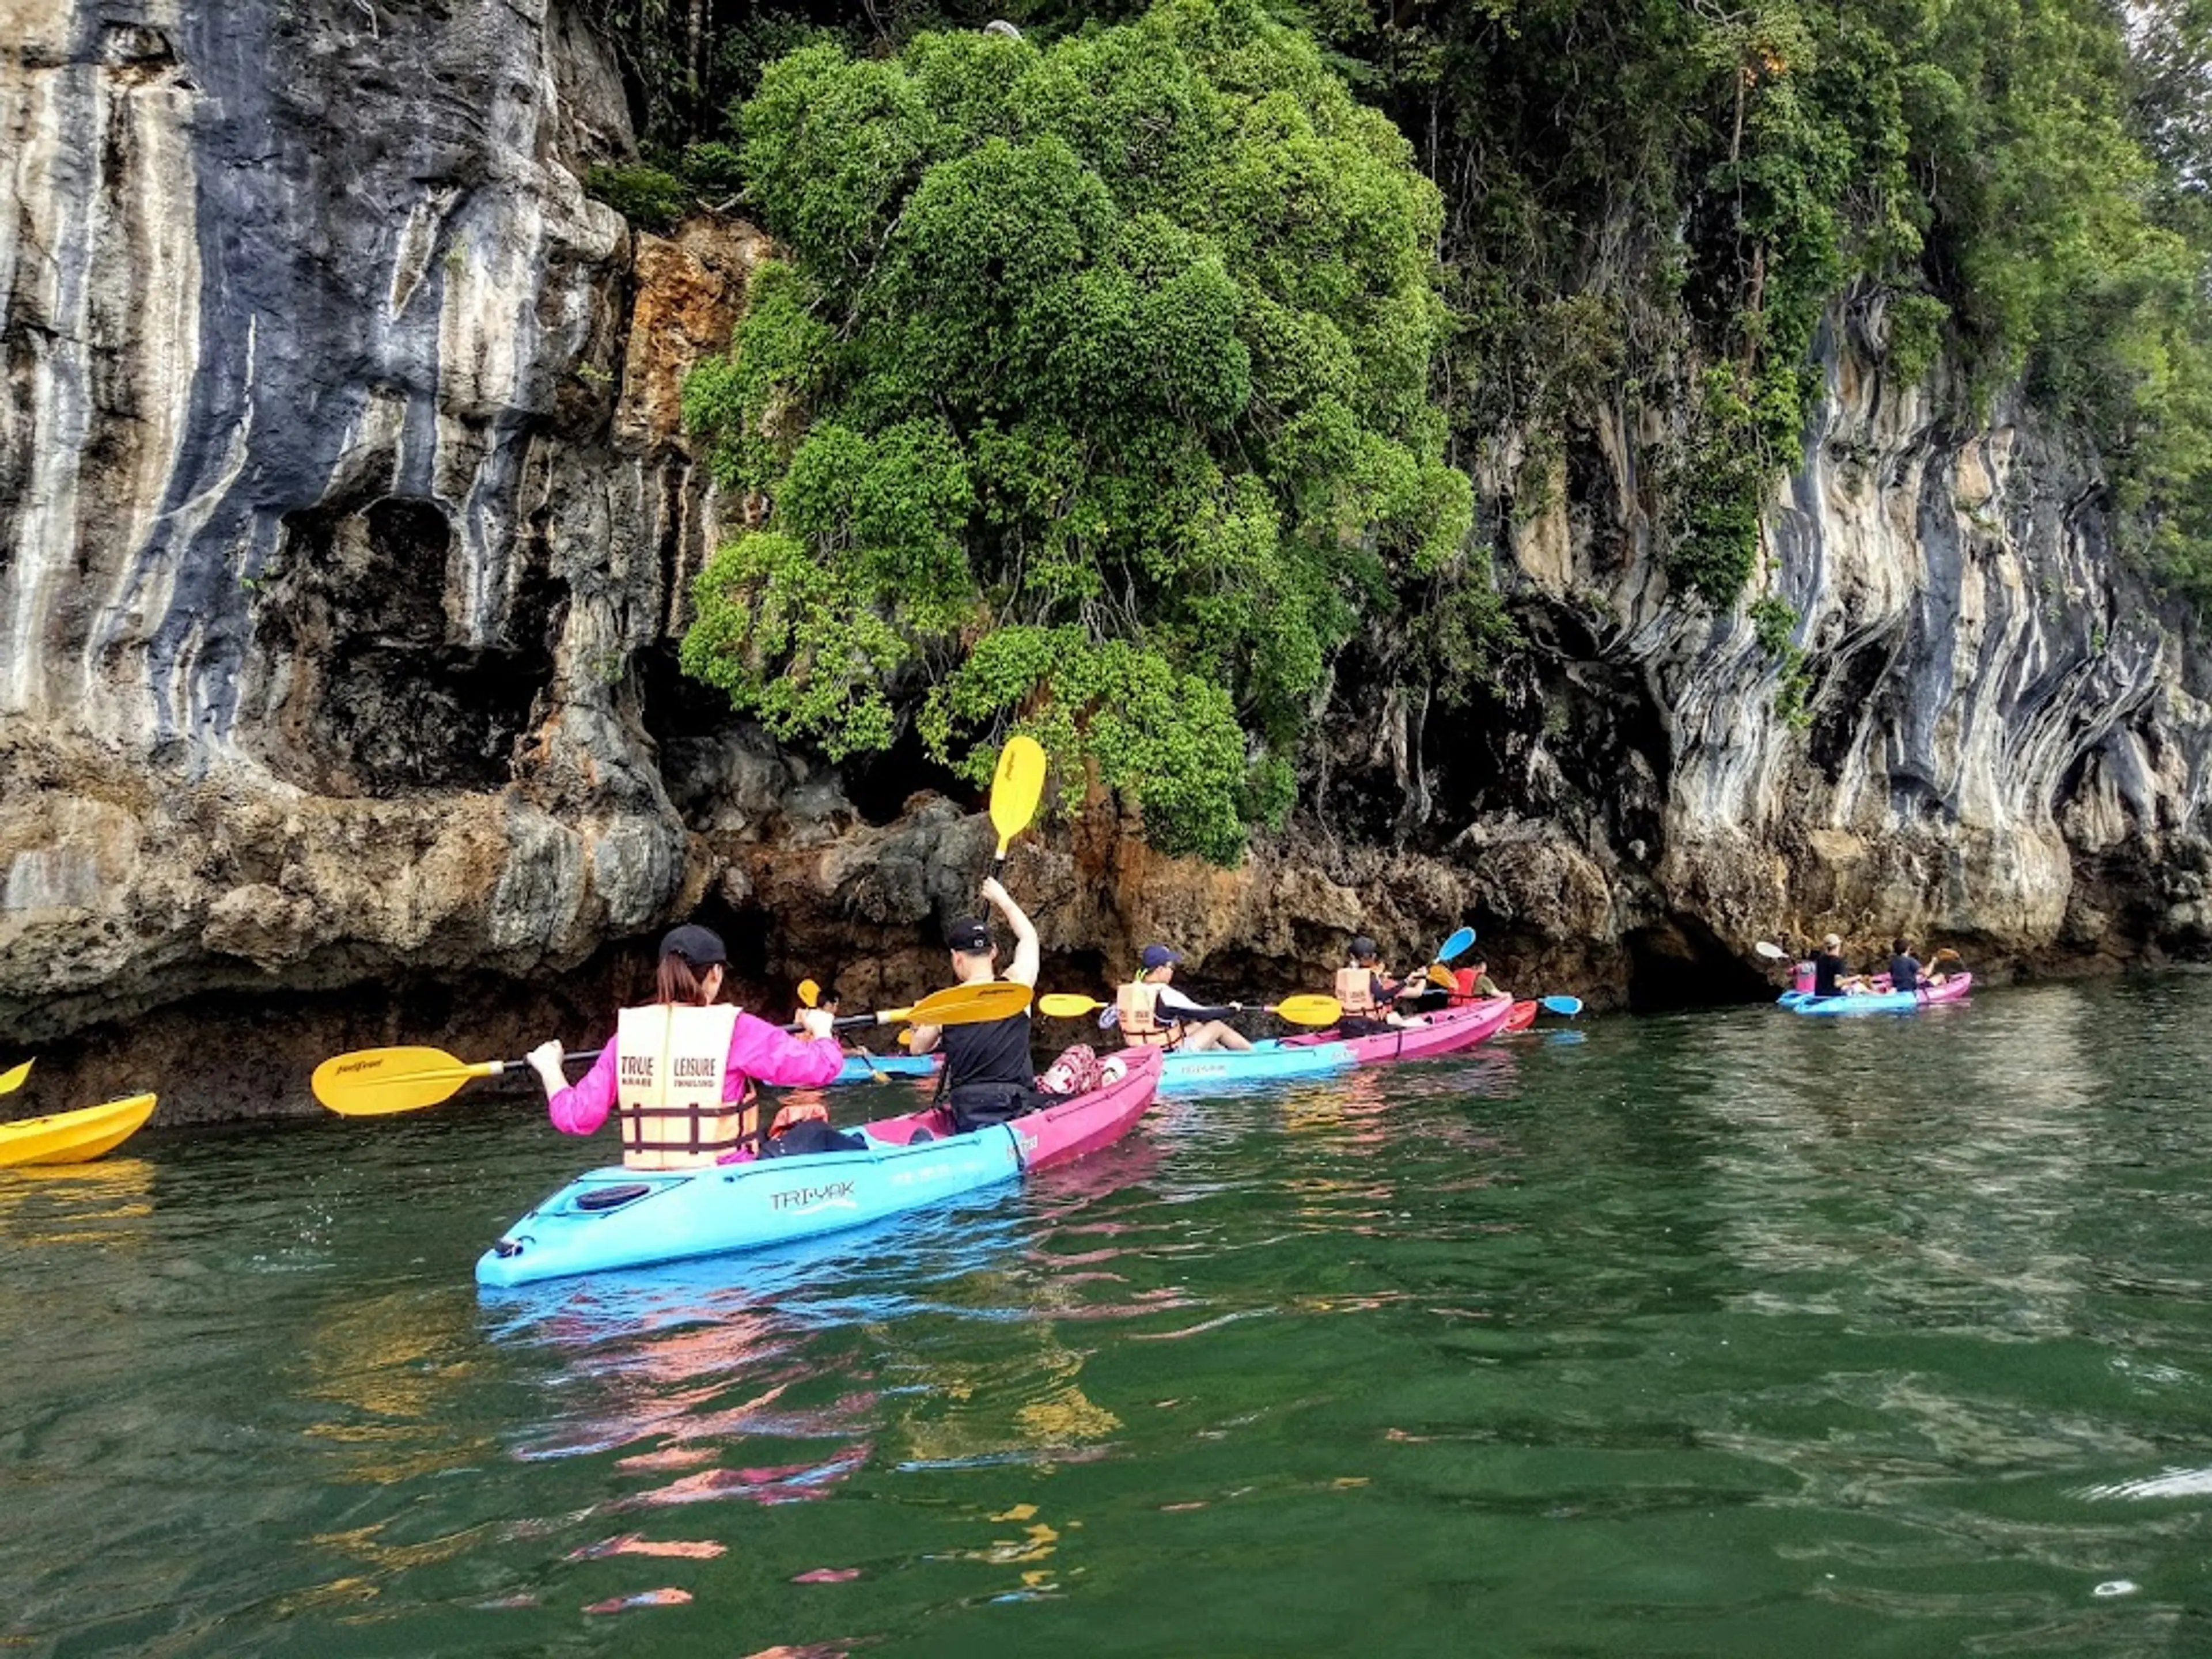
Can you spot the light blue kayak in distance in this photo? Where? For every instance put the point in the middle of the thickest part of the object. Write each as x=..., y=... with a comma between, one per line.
x=1279, y=1060
x=1267, y=1062
x=1878, y=1002
x=857, y=1070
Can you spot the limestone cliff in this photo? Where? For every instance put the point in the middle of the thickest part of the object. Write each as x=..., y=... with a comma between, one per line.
x=344, y=531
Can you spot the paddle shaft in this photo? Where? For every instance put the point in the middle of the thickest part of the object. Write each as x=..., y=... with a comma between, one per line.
x=842, y=1022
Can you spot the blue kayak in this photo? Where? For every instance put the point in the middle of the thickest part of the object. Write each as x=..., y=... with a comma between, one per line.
x=1267, y=1062
x=619, y=1218
x=1879, y=1002
x=1264, y=1062
x=856, y=1070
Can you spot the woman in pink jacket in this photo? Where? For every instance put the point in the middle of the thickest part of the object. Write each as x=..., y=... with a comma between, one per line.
x=680, y=1072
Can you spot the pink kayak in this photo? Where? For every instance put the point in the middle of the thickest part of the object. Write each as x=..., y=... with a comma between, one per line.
x=1057, y=1134
x=1445, y=1033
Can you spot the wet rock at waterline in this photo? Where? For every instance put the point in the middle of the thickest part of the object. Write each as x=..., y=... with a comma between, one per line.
x=345, y=529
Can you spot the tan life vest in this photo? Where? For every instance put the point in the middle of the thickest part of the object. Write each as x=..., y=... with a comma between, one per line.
x=1138, y=1005
x=669, y=1066
x=1355, y=989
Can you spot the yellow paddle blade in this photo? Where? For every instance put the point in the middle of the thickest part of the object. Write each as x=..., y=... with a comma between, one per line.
x=963, y=1005
x=1310, y=1011
x=1441, y=976
x=12, y=1078
x=1062, y=1005
x=373, y=1082
x=809, y=994
x=1016, y=789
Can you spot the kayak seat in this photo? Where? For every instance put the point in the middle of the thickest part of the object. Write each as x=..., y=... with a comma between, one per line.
x=611, y=1198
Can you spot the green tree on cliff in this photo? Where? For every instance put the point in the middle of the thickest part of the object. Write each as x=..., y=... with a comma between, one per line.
x=1092, y=400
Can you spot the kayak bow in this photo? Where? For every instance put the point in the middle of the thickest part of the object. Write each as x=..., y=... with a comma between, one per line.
x=76, y=1137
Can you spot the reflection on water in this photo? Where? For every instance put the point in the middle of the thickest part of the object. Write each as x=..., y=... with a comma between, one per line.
x=66, y=1205
x=1734, y=1334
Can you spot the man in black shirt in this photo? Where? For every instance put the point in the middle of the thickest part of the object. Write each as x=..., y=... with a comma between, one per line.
x=1903, y=966
x=990, y=1076
x=1832, y=974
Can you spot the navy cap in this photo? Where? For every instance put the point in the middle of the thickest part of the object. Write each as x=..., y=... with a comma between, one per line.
x=1158, y=956
x=968, y=935
x=1362, y=947
x=700, y=946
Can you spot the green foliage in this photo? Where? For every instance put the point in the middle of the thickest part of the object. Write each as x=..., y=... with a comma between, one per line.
x=1774, y=622
x=1916, y=322
x=1093, y=399
x=648, y=198
x=1168, y=741
x=1699, y=187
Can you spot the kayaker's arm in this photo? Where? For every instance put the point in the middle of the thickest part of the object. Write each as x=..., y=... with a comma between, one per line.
x=1028, y=955
x=1175, y=1002
x=758, y=1049
x=579, y=1109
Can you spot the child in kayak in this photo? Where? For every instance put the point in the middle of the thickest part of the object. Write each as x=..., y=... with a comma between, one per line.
x=681, y=1070
x=1152, y=1014
x=1368, y=995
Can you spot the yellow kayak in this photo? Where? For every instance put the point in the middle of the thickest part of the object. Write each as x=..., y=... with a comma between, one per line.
x=74, y=1137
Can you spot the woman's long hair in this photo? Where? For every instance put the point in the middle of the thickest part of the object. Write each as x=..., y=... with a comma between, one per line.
x=679, y=982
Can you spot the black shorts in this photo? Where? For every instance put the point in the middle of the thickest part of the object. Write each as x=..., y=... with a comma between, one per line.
x=812, y=1134
x=979, y=1105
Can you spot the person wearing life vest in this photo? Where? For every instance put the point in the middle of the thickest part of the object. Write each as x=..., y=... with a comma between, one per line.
x=679, y=1074
x=988, y=1076
x=1473, y=981
x=1470, y=983
x=1367, y=993
x=1152, y=1014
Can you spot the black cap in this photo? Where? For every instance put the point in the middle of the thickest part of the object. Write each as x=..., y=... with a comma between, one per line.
x=700, y=946
x=968, y=935
x=1362, y=947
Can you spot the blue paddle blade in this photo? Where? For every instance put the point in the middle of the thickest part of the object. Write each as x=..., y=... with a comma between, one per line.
x=1568, y=1006
x=1457, y=944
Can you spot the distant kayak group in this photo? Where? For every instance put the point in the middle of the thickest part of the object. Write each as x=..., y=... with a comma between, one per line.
x=1825, y=985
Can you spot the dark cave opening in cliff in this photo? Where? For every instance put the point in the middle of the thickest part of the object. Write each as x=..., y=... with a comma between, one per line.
x=1681, y=963
x=390, y=698
x=879, y=785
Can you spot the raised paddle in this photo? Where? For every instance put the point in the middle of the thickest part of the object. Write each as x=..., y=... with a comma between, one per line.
x=1771, y=951
x=1016, y=789
x=1462, y=941
x=1298, y=1010
x=377, y=1081
x=1459, y=942
x=809, y=994
x=12, y=1078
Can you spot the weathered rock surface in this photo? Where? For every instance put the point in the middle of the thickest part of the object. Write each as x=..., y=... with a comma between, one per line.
x=345, y=526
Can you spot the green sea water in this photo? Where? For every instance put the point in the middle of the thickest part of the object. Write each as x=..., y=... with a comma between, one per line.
x=1725, y=1333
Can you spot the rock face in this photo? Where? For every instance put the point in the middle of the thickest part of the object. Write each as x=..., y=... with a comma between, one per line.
x=338, y=500
x=345, y=526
